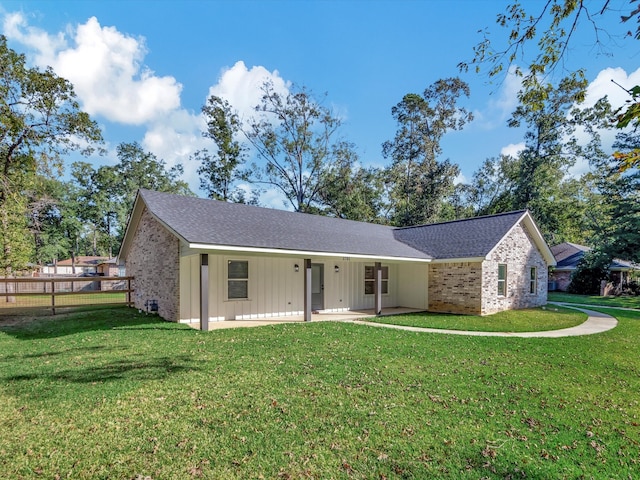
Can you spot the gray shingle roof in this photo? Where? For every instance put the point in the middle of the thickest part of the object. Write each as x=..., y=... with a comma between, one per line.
x=211, y=222
x=568, y=256
x=470, y=238
x=204, y=221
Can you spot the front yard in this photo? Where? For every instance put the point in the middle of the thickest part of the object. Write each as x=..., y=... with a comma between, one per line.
x=527, y=320
x=116, y=394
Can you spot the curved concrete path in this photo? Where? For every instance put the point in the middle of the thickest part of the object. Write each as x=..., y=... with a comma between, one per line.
x=596, y=323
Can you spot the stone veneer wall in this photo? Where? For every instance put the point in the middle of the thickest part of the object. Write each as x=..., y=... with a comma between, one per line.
x=154, y=262
x=455, y=287
x=519, y=253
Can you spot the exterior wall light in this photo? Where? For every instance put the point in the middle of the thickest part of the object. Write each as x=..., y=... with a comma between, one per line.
x=336, y=269
x=296, y=268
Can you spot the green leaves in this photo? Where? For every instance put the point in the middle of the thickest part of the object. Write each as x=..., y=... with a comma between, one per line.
x=417, y=182
x=40, y=122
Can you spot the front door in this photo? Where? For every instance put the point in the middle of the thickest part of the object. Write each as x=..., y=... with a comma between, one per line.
x=317, y=286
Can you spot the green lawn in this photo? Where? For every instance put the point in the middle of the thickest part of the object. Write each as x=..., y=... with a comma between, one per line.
x=116, y=394
x=44, y=300
x=623, y=301
x=528, y=320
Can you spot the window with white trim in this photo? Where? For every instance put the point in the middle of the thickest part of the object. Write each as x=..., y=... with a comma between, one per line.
x=238, y=280
x=370, y=280
x=502, y=279
x=533, y=280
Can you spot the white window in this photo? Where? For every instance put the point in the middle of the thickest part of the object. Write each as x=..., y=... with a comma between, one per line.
x=502, y=279
x=238, y=280
x=370, y=280
x=533, y=280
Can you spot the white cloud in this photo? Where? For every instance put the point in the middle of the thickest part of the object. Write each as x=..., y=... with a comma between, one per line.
x=513, y=149
x=111, y=81
x=241, y=87
x=499, y=108
x=105, y=67
x=176, y=136
x=603, y=85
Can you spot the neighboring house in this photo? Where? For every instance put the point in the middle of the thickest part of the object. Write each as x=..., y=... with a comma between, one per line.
x=110, y=268
x=83, y=265
x=203, y=259
x=568, y=256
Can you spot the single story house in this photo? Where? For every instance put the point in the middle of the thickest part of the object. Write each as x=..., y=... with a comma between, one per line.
x=568, y=256
x=86, y=264
x=207, y=261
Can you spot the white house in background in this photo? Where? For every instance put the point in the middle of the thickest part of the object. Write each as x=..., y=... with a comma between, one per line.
x=83, y=264
x=206, y=261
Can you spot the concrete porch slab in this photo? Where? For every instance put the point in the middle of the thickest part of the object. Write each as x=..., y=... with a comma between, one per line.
x=315, y=317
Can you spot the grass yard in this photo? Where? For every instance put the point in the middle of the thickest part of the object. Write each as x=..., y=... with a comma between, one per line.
x=527, y=320
x=624, y=302
x=116, y=394
x=44, y=300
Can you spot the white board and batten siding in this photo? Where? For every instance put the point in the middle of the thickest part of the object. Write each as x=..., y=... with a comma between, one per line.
x=277, y=290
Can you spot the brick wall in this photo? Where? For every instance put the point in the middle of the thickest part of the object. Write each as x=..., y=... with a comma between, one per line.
x=154, y=262
x=562, y=279
x=455, y=287
x=519, y=253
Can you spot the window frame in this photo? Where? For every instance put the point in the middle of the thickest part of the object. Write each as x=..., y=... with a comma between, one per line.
x=237, y=279
x=372, y=281
x=533, y=280
x=502, y=282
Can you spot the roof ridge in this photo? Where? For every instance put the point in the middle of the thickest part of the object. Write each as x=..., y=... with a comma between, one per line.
x=463, y=219
x=259, y=207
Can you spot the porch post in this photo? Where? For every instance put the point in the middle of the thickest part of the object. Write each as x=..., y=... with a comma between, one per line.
x=307, y=289
x=204, y=292
x=378, y=288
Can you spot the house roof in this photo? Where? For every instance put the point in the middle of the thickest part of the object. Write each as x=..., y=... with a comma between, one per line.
x=201, y=222
x=566, y=253
x=568, y=256
x=469, y=238
x=83, y=261
x=205, y=224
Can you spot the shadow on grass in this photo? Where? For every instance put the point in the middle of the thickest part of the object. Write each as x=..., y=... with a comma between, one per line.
x=114, y=318
x=134, y=370
x=47, y=355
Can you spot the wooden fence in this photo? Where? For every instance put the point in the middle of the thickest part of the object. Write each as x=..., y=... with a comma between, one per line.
x=17, y=294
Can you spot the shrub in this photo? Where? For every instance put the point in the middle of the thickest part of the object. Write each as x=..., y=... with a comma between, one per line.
x=592, y=269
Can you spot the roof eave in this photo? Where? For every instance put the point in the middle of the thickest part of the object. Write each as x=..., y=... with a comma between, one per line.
x=460, y=260
x=303, y=253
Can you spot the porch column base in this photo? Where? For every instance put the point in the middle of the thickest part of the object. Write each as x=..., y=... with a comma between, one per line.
x=307, y=289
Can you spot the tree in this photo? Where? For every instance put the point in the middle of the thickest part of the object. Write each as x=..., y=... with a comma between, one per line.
x=491, y=188
x=552, y=29
x=592, y=269
x=107, y=193
x=351, y=192
x=40, y=121
x=617, y=203
x=552, y=146
x=220, y=171
x=417, y=181
x=295, y=137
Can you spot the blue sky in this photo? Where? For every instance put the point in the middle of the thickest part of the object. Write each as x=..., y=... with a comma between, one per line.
x=143, y=69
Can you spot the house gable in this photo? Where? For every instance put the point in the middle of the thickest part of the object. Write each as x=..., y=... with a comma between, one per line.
x=518, y=253
x=153, y=260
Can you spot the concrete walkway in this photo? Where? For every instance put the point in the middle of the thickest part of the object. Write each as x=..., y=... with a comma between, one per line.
x=596, y=323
